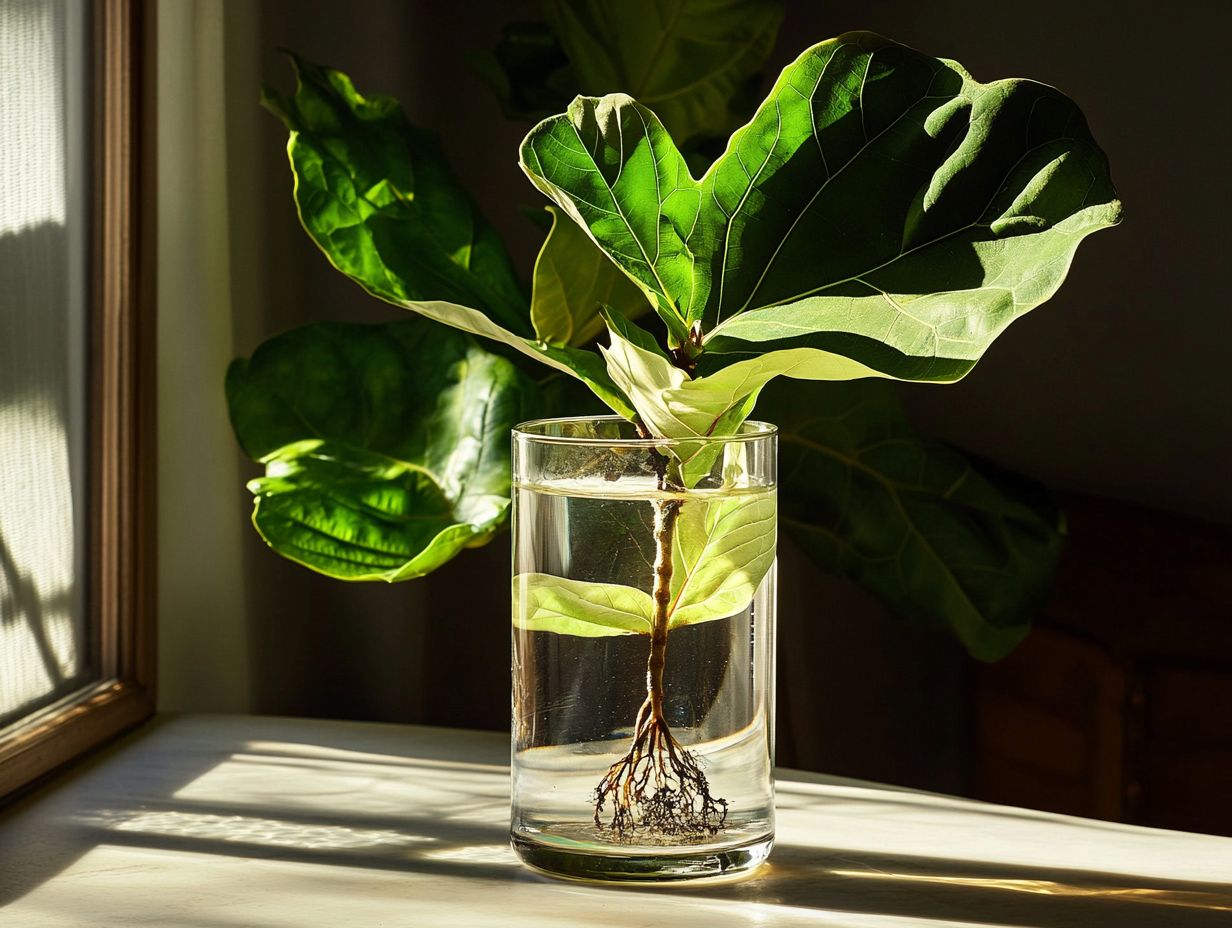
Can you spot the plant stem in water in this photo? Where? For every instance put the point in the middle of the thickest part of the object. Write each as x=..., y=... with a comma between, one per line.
x=658, y=786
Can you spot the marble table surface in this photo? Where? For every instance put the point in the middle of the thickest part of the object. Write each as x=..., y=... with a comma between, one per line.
x=255, y=822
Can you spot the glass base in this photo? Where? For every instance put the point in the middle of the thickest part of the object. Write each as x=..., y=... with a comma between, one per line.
x=673, y=865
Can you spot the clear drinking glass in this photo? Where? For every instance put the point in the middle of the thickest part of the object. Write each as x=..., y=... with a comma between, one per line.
x=643, y=650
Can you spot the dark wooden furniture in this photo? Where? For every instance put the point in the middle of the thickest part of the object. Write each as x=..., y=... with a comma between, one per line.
x=1119, y=704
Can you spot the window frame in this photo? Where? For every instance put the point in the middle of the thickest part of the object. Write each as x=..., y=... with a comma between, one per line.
x=120, y=441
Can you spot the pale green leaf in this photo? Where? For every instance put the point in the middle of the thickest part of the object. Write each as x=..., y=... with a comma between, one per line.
x=545, y=603
x=641, y=370
x=666, y=400
x=674, y=405
x=722, y=550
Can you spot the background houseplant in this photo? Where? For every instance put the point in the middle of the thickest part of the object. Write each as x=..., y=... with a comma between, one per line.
x=943, y=538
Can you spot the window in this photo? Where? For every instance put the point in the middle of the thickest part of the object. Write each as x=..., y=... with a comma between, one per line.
x=76, y=493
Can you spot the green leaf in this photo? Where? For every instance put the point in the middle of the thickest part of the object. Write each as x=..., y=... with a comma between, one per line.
x=587, y=367
x=609, y=164
x=638, y=366
x=723, y=549
x=358, y=516
x=688, y=60
x=881, y=206
x=544, y=603
x=945, y=540
x=386, y=447
x=375, y=194
x=573, y=279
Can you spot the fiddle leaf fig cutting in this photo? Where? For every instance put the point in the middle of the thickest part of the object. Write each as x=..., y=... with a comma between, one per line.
x=882, y=216
x=385, y=447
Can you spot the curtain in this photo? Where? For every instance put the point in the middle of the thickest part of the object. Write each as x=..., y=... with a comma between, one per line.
x=44, y=645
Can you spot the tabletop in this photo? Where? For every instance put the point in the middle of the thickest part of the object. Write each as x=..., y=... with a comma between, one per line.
x=256, y=822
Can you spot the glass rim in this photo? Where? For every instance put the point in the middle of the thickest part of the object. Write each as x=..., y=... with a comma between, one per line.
x=751, y=430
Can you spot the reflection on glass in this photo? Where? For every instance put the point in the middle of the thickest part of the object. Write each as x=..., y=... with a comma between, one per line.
x=44, y=650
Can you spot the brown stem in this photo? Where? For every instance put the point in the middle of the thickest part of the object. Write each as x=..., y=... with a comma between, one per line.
x=667, y=511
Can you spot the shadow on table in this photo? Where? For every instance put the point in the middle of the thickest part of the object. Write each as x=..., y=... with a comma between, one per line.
x=296, y=802
x=830, y=880
x=966, y=890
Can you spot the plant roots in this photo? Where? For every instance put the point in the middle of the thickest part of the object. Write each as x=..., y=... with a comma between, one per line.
x=658, y=787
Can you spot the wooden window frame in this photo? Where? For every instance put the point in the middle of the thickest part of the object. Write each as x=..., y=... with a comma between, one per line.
x=121, y=377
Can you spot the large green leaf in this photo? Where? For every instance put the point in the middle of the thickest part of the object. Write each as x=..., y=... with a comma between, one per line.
x=386, y=447
x=688, y=60
x=573, y=280
x=375, y=194
x=946, y=541
x=881, y=206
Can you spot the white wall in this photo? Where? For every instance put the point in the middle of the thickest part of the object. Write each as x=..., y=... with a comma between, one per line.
x=203, y=636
